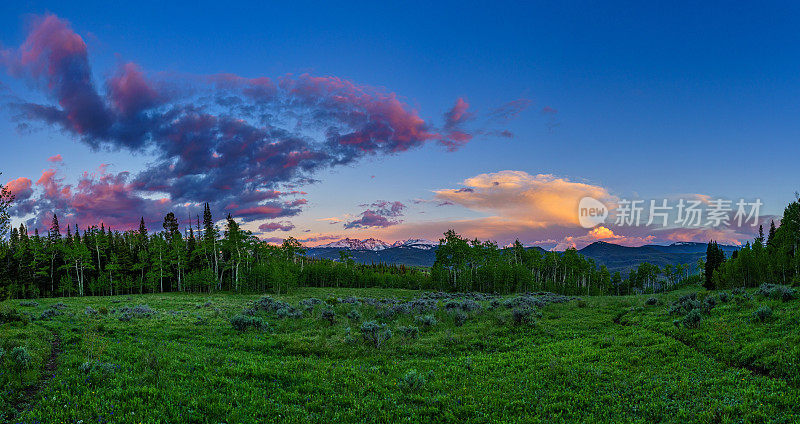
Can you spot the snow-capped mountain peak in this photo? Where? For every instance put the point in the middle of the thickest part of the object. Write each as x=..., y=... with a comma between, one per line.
x=356, y=244
x=416, y=243
x=375, y=244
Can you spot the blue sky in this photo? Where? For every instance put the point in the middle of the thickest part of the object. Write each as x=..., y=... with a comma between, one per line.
x=652, y=100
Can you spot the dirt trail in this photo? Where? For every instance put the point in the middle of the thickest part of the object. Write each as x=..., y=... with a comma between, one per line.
x=749, y=367
x=48, y=372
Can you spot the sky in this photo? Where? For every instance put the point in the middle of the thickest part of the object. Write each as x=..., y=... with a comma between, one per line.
x=400, y=120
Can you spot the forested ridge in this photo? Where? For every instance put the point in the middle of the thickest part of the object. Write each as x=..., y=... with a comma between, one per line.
x=201, y=256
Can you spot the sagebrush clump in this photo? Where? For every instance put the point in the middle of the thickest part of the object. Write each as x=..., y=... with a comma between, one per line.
x=425, y=320
x=777, y=292
x=692, y=319
x=763, y=313
x=375, y=333
x=412, y=381
x=243, y=322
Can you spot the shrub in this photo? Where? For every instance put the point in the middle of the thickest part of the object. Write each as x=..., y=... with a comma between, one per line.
x=125, y=316
x=685, y=304
x=692, y=319
x=425, y=320
x=204, y=305
x=763, y=313
x=269, y=304
x=738, y=291
x=653, y=301
x=103, y=310
x=138, y=311
x=310, y=302
x=48, y=314
x=21, y=359
x=59, y=305
x=199, y=320
x=777, y=292
x=97, y=371
x=243, y=322
x=412, y=381
x=709, y=303
x=459, y=317
x=582, y=303
x=375, y=334
x=521, y=315
x=90, y=311
x=410, y=332
x=354, y=315
x=348, y=336
x=12, y=315
x=724, y=297
x=328, y=315
x=28, y=303
x=288, y=312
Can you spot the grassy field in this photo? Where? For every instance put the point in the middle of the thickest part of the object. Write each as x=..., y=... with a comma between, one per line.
x=513, y=359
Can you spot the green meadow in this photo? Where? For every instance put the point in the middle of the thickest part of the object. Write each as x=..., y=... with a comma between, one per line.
x=380, y=355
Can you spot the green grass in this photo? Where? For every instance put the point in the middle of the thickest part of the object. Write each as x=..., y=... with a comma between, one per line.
x=573, y=364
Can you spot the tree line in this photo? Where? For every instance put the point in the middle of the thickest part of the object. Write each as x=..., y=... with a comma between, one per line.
x=202, y=257
x=770, y=259
x=464, y=265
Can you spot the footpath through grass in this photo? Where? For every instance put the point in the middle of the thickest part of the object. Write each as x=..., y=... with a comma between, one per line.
x=178, y=358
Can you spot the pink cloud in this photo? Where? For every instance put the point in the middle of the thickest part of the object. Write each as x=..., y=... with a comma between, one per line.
x=55, y=159
x=20, y=188
x=276, y=226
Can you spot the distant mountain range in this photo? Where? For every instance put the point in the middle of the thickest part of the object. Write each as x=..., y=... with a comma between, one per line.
x=420, y=252
x=376, y=245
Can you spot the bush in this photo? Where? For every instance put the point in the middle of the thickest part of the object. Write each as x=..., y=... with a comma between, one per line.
x=243, y=322
x=709, y=303
x=348, y=336
x=582, y=303
x=763, y=313
x=653, y=301
x=375, y=334
x=138, y=311
x=97, y=371
x=48, y=314
x=724, y=297
x=692, y=319
x=412, y=381
x=269, y=304
x=410, y=332
x=21, y=359
x=28, y=303
x=425, y=320
x=12, y=315
x=521, y=315
x=103, y=310
x=459, y=317
x=90, y=311
x=738, y=291
x=684, y=305
x=288, y=312
x=354, y=315
x=777, y=292
x=328, y=315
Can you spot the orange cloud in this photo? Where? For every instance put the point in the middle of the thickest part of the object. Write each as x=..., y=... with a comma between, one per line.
x=602, y=233
x=529, y=200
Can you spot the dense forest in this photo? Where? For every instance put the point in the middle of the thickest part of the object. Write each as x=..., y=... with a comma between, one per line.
x=69, y=261
x=770, y=259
